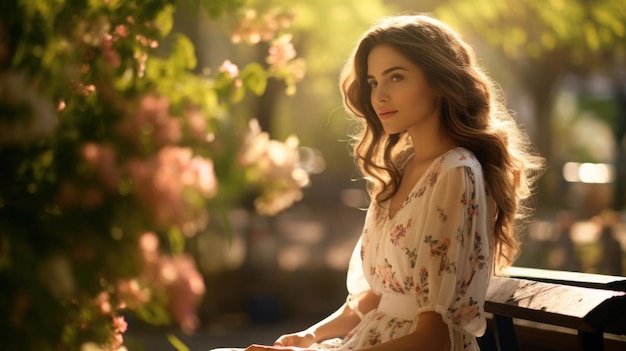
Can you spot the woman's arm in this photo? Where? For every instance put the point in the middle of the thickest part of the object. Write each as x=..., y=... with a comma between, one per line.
x=431, y=334
x=337, y=324
x=347, y=317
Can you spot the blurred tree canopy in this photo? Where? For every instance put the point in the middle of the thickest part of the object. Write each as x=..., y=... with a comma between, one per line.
x=545, y=40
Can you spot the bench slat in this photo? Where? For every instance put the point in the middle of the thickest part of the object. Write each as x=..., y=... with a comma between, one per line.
x=586, y=280
x=583, y=309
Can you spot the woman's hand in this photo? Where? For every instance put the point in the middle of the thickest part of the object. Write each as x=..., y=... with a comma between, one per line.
x=300, y=339
x=277, y=348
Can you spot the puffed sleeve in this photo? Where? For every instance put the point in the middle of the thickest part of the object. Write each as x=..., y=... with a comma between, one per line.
x=356, y=282
x=453, y=280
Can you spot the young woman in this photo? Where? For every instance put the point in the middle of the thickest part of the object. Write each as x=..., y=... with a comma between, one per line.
x=447, y=168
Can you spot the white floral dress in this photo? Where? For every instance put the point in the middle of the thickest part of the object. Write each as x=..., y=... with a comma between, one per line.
x=433, y=255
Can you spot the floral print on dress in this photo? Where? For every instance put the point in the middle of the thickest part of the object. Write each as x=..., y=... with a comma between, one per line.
x=388, y=276
x=396, y=324
x=431, y=180
x=466, y=311
x=398, y=232
x=411, y=256
x=421, y=289
x=436, y=248
x=439, y=250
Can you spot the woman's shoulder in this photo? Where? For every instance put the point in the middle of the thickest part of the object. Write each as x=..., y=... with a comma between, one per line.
x=459, y=157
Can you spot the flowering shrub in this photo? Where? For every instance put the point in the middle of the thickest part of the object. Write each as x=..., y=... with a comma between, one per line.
x=113, y=153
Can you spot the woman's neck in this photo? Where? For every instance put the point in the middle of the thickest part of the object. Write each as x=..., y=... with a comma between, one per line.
x=428, y=145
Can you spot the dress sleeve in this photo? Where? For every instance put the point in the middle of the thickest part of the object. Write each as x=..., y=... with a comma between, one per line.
x=454, y=278
x=356, y=282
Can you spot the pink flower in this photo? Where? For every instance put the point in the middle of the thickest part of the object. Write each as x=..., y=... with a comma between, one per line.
x=131, y=293
x=109, y=54
x=149, y=243
x=167, y=182
x=197, y=124
x=254, y=28
x=120, y=324
x=102, y=158
x=141, y=58
x=121, y=30
x=152, y=118
x=275, y=168
x=175, y=275
x=281, y=52
x=273, y=203
x=185, y=286
x=230, y=69
x=103, y=302
x=254, y=144
x=200, y=175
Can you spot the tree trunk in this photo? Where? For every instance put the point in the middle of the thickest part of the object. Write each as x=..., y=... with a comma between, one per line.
x=541, y=77
x=619, y=199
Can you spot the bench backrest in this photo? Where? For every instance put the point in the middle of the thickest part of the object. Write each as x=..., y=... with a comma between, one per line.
x=591, y=304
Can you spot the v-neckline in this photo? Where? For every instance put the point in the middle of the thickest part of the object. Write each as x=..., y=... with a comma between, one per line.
x=425, y=175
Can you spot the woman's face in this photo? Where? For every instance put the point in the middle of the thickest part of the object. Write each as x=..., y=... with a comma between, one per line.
x=400, y=94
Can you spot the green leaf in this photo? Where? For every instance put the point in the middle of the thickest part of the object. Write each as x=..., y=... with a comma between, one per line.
x=154, y=313
x=215, y=8
x=165, y=20
x=177, y=240
x=238, y=94
x=227, y=227
x=177, y=343
x=184, y=52
x=254, y=78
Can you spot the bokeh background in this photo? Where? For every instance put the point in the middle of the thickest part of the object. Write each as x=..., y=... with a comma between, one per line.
x=561, y=65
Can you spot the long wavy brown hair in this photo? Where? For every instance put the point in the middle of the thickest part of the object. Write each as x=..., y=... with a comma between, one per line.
x=473, y=113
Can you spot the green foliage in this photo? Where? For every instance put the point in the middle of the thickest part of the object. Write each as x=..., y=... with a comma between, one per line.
x=255, y=78
x=543, y=41
x=534, y=27
x=113, y=154
x=215, y=8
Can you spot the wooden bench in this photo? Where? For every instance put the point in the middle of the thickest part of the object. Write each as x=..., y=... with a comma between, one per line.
x=524, y=301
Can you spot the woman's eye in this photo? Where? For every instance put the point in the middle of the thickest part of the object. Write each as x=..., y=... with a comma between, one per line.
x=396, y=78
x=373, y=84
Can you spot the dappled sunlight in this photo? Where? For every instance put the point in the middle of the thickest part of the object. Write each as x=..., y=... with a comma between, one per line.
x=585, y=232
x=587, y=244
x=600, y=173
x=300, y=239
x=293, y=257
x=355, y=198
x=217, y=254
x=338, y=256
x=308, y=232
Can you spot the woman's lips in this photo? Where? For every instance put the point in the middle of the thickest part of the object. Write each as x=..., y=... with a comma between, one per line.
x=385, y=114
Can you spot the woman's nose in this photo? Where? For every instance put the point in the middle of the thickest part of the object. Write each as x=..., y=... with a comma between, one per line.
x=380, y=94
